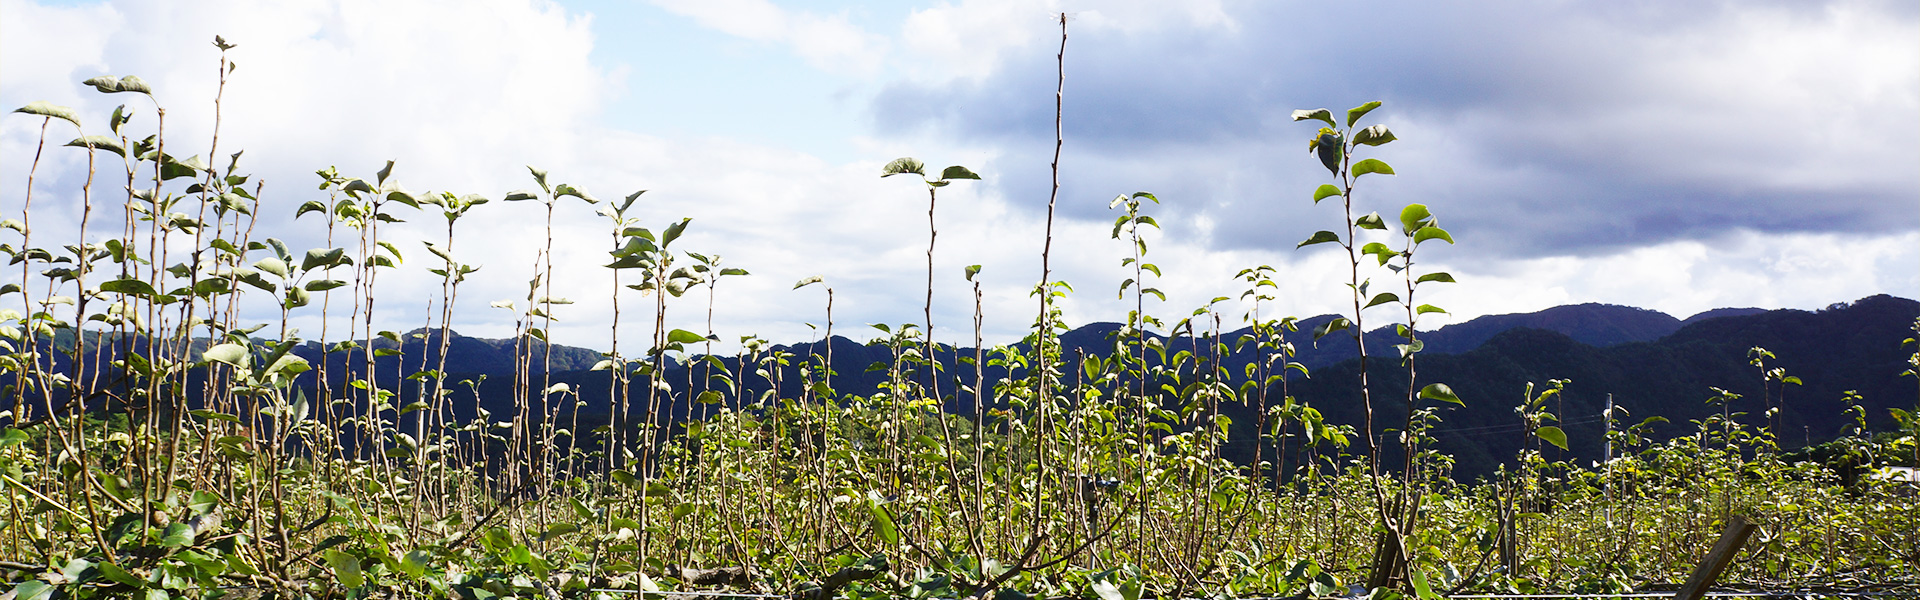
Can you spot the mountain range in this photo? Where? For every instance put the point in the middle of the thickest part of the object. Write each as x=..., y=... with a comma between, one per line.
x=1651, y=363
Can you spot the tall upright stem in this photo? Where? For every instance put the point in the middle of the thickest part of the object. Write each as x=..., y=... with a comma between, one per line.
x=933, y=361
x=1041, y=367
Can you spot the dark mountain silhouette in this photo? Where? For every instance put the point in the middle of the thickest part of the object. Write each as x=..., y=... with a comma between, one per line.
x=420, y=349
x=1848, y=346
x=1721, y=312
x=1592, y=324
x=1652, y=364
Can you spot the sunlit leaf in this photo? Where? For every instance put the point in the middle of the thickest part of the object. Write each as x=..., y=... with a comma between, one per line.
x=1553, y=435
x=346, y=567
x=957, y=172
x=1439, y=392
x=1319, y=237
x=1317, y=113
x=1381, y=298
x=1431, y=233
x=99, y=142
x=1371, y=165
x=1354, y=114
x=230, y=354
x=1373, y=136
x=904, y=165
x=47, y=109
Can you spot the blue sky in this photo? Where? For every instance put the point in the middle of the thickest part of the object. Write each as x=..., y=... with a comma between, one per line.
x=1679, y=156
x=693, y=81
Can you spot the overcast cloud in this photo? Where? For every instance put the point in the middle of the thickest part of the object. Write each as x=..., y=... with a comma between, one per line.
x=1675, y=156
x=1530, y=127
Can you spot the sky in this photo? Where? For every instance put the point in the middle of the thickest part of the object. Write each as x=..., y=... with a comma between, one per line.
x=1677, y=156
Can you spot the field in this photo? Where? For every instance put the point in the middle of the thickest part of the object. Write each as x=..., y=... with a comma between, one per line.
x=160, y=445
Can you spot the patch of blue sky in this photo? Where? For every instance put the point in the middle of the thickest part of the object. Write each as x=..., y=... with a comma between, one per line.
x=683, y=80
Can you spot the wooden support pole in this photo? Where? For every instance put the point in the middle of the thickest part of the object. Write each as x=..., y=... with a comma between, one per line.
x=1735, y=536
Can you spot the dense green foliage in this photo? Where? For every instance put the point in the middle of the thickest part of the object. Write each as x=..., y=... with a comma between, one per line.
x=159, y=445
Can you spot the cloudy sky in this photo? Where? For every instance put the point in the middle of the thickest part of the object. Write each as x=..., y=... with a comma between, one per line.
x=1679, y=156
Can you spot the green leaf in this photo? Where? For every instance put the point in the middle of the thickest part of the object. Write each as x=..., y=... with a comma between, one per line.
x=1439, y=392
x=1553, y=435
x=558, y=529
x=319, y=258
x=1318, y=113
x=1370, y=221
x=230, y=354
x=806, y=281
x=1381, y=298
x=178, y=535
x=272, y=265
x=1330, y=149
x=50, y=110
x=121, y=576
x=1442, y=277
x=682, y=336
x=99, y=142
x=346, y=567
x=957, y=172
x=1319, y=237
x=1337, y=324
x=253, y=278
x=1431, y=233
x=12, y=437
x=1429, y=308
x=673, y=231
x=301, y=406
x=883, y=523
x=1371, y=165
x=108, y=84
x=971, y=271
x=904, y=165
x=32, y=589
x=1326, y=190
x=1420, y=587
x=1373, y=136
x=1354, y=114
x=1413, y=217
x=628, y=202
x=415, y=563
x=568, y=190
x=311, y=206
x=290, y=364
x=1379, y=251
x=128, y=286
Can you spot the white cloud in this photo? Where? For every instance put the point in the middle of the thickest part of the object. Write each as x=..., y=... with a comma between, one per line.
x=464, y=95
x=970, y=40
x=1738, y=269
x=829, y=43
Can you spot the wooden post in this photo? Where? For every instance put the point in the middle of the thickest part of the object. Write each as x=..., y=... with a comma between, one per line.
x=1735, y=536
